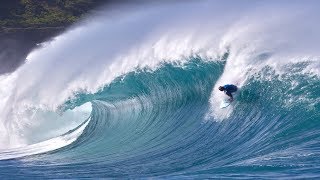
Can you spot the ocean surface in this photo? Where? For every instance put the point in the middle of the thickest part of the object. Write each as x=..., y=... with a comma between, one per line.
x=132, y=92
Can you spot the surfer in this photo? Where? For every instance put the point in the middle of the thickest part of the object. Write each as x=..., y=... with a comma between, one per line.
x=228, y=89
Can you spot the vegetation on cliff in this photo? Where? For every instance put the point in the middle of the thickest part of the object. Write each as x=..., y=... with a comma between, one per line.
x=43, y=13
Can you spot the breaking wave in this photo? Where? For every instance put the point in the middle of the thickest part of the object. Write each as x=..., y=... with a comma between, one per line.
x=134, y=94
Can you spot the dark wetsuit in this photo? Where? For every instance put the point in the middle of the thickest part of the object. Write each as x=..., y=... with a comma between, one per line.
x=230, y=88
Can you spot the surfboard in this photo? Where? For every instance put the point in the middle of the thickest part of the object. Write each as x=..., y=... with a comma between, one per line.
x=225, y=103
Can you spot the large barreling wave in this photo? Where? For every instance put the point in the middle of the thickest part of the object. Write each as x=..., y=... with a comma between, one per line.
x=131, y=92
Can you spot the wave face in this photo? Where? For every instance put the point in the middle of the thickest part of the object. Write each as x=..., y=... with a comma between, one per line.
x=134, y=95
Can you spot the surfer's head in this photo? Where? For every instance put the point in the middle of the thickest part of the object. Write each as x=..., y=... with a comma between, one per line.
x=221, y=88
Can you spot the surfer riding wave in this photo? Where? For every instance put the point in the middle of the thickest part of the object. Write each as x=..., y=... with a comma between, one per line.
x=228, y=90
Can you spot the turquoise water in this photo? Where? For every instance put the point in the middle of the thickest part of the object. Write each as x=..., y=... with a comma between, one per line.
x=152, y=124
x=134, y=95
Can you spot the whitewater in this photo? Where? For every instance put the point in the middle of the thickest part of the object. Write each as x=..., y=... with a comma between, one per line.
x=132, y=92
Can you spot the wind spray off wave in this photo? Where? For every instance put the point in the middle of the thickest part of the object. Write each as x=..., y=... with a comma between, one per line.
x=134, y=94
